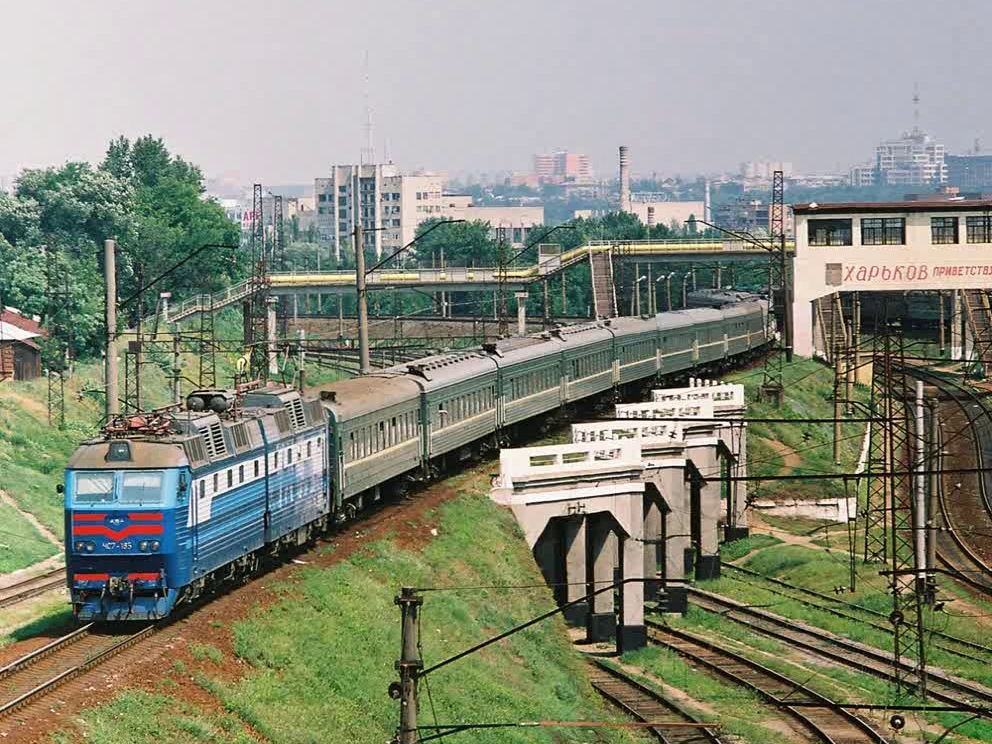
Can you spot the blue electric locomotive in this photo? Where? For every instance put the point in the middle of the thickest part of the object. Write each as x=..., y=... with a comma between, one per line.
x=160, y=509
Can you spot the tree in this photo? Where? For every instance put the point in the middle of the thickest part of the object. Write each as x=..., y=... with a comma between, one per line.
x=461, y=244
x=150, y=201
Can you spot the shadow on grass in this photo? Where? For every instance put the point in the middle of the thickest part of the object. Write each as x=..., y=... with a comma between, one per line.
x=53, y=625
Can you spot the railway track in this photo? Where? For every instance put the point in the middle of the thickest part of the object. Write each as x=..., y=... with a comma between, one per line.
x=644, y=704
x=940, y=686
x=36, y=585
x=38, y=673
x=825, y=722
x=968, y=561
x=837, y=607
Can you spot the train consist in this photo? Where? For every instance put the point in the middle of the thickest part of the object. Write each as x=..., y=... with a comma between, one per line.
x=165, y=507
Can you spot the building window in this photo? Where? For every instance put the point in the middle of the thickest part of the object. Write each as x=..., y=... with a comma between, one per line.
x=829, y=232
x=979, y=229
x=943, y=230
x=883, y=231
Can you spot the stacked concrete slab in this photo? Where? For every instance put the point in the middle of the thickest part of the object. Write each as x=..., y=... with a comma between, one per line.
x=639, y=495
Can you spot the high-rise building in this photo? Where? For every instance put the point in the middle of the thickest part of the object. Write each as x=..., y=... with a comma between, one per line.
x=969, y=171
x=388, y=204
x=862, y=175
x=544, y=167
x=562, y=167
x=764, y=170
x=914, y=159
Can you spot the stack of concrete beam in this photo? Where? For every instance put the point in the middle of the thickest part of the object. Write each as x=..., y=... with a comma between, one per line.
x=640, y=494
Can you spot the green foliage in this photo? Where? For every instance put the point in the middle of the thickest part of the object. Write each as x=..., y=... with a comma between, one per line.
x=461, y=244
x=739, y=548
x=32, y=454
x=21, y=544
x=201, y=651
x=146, y=198
x=135, y=717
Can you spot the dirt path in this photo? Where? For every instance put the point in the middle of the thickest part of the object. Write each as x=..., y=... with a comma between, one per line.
x=790, y=458
x=47, y=533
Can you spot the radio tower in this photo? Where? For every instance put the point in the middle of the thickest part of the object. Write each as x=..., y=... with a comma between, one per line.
x=368, y=151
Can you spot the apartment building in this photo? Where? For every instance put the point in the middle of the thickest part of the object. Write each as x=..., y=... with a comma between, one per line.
x=388, y=204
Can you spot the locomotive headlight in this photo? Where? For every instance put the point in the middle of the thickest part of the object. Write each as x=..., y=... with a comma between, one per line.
x=79, y=546
x=90, y=547
x=155, y=545
x=143, y=545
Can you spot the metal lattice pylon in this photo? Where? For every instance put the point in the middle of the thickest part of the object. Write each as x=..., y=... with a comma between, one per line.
x=58, y=348
x=772, y=385
x=891, y=507
x=207, y=348
x=257, y=315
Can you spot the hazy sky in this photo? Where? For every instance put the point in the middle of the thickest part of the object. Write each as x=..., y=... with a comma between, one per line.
x=275, y=90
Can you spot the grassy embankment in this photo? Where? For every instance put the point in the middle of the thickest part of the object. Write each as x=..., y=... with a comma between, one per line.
x=808, y=395
x=317, y=663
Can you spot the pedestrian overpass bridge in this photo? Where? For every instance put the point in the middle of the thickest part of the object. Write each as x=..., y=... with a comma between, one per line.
x=551, y=260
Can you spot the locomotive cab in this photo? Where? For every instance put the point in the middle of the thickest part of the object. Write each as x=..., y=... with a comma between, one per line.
x=123, y=502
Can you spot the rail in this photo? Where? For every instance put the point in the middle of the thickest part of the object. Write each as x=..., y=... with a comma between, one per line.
x=940, y=685
x=957, y=555
x=961, y=647
x=32, y=587
x=648, y=706
x=51, y=681
x=826, y=722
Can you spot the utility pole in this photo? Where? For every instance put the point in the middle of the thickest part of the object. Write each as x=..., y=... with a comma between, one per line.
x=177, y=371
x=839, y=386
x=112, y=405
x=409, y=666
x=940, y=325
x=302, y=359
x=364, y=366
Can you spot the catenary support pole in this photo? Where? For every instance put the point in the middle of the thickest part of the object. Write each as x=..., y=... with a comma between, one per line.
x=409, y=664
x=364, y=365
x=177, y=371
x=933, y=442
x=112, y=406
x=920, y=482
x=270, y=335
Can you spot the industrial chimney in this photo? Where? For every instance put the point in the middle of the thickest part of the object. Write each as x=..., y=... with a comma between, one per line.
x=624, y=180
x=650, y=215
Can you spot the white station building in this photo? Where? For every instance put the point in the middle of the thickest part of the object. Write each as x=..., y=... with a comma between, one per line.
x=886, y=247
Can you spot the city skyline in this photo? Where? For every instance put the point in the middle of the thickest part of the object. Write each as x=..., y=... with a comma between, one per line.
x=689, y=90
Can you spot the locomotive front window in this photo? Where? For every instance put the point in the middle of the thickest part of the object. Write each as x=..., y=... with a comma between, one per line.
x=141, y=488
x=94, y=488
